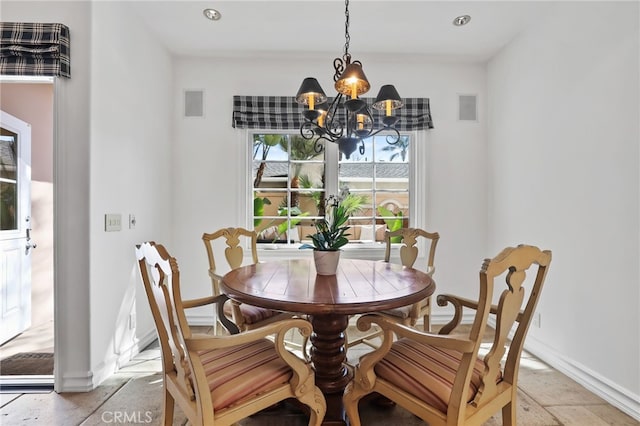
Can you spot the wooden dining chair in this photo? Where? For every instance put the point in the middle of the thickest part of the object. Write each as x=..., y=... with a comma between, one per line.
x=408, y=315
x=441, y=378
x=218, y=380
x=246, y=317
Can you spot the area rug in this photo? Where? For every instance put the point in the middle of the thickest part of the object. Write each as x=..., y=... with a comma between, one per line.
x=27, y=364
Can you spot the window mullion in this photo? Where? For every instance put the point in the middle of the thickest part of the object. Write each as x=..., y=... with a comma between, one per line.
x=331, y=169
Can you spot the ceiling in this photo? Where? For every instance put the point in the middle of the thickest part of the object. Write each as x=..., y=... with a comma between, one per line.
x=408, y=28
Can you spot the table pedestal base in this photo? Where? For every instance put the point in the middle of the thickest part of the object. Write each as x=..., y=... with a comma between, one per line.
x=328, y=356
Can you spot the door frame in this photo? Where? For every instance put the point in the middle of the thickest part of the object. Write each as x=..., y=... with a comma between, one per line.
x=59, y=90
x=58, y=132
x=56, y=380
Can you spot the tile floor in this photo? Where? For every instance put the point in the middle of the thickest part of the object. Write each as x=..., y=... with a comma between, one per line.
x=133, y=396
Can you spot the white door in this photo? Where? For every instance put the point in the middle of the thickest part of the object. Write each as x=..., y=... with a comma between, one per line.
x=15, y=226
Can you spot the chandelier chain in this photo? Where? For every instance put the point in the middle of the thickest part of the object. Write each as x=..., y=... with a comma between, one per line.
x=347, y=37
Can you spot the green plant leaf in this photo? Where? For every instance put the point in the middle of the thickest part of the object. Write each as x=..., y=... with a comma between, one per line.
x=282, y=227
x=258, y=209
x=393, y=221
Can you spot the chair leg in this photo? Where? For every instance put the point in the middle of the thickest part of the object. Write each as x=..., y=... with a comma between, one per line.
x=509, y=414
x=351, y=400
x=427, y=323
x=168, y=404
x=317, y=407
x=215, y=322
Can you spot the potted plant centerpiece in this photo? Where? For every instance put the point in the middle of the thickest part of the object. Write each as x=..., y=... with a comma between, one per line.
x=330, y=236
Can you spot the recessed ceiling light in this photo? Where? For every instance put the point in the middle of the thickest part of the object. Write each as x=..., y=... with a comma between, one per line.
x=212, y=14
x=461, y=20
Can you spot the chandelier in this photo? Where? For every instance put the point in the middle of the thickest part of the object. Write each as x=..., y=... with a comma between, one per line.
x=347, y=121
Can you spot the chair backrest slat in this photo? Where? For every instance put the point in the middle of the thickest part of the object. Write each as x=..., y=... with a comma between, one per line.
x=409, y=249
x=233, y=252
x=514, y=263
x=160, y=277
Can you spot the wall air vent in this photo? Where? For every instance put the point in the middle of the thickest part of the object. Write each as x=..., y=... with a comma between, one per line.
x=467, y=108
x=194, y=103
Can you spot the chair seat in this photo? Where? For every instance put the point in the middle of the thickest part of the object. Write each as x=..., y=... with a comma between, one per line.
x=402, y=312
x=426, y=372
x=251, y=314
x=241, y=372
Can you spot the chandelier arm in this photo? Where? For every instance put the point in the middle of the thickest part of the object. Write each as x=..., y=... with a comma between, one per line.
x=390, y=139
x=324, y=138
x=310, y=129
x=333, y=127
x=307, y=130
x=332, y=111
x=318, y=147
x=331, y=134
x=338, y=66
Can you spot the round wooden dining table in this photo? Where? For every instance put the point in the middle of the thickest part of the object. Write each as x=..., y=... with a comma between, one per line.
x=359, y=286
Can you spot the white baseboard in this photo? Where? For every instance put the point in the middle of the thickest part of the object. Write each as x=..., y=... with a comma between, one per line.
x=201, y=320
x=76, y=381
x=108, y=367
x=147, y=338
x=139, y=344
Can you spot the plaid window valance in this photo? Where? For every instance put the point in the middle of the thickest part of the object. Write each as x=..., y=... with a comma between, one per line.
x=284, y=113
x=34, y=49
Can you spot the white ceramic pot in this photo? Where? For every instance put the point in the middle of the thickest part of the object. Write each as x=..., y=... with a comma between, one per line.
x=326, y=261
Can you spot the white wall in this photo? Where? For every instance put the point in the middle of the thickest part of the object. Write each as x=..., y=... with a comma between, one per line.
x=131, y=171
x=208, y=180
x=564, y=174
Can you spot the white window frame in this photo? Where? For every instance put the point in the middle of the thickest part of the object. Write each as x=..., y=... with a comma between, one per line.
x=418, y=195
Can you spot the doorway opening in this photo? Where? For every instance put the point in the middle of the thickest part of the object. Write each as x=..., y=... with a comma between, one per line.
x=26, y=359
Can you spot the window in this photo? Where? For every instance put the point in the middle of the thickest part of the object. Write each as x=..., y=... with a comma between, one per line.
x=291, y=180
x=8, y=180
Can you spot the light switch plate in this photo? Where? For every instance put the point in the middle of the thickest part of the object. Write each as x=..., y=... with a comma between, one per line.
x=112, y=222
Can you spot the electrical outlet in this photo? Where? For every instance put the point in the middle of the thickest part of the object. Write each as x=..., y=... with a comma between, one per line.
x=132, y=221
x=132, y=321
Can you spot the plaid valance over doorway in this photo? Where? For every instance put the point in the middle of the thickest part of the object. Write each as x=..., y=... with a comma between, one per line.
x=34, y=49
x=284, y=113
